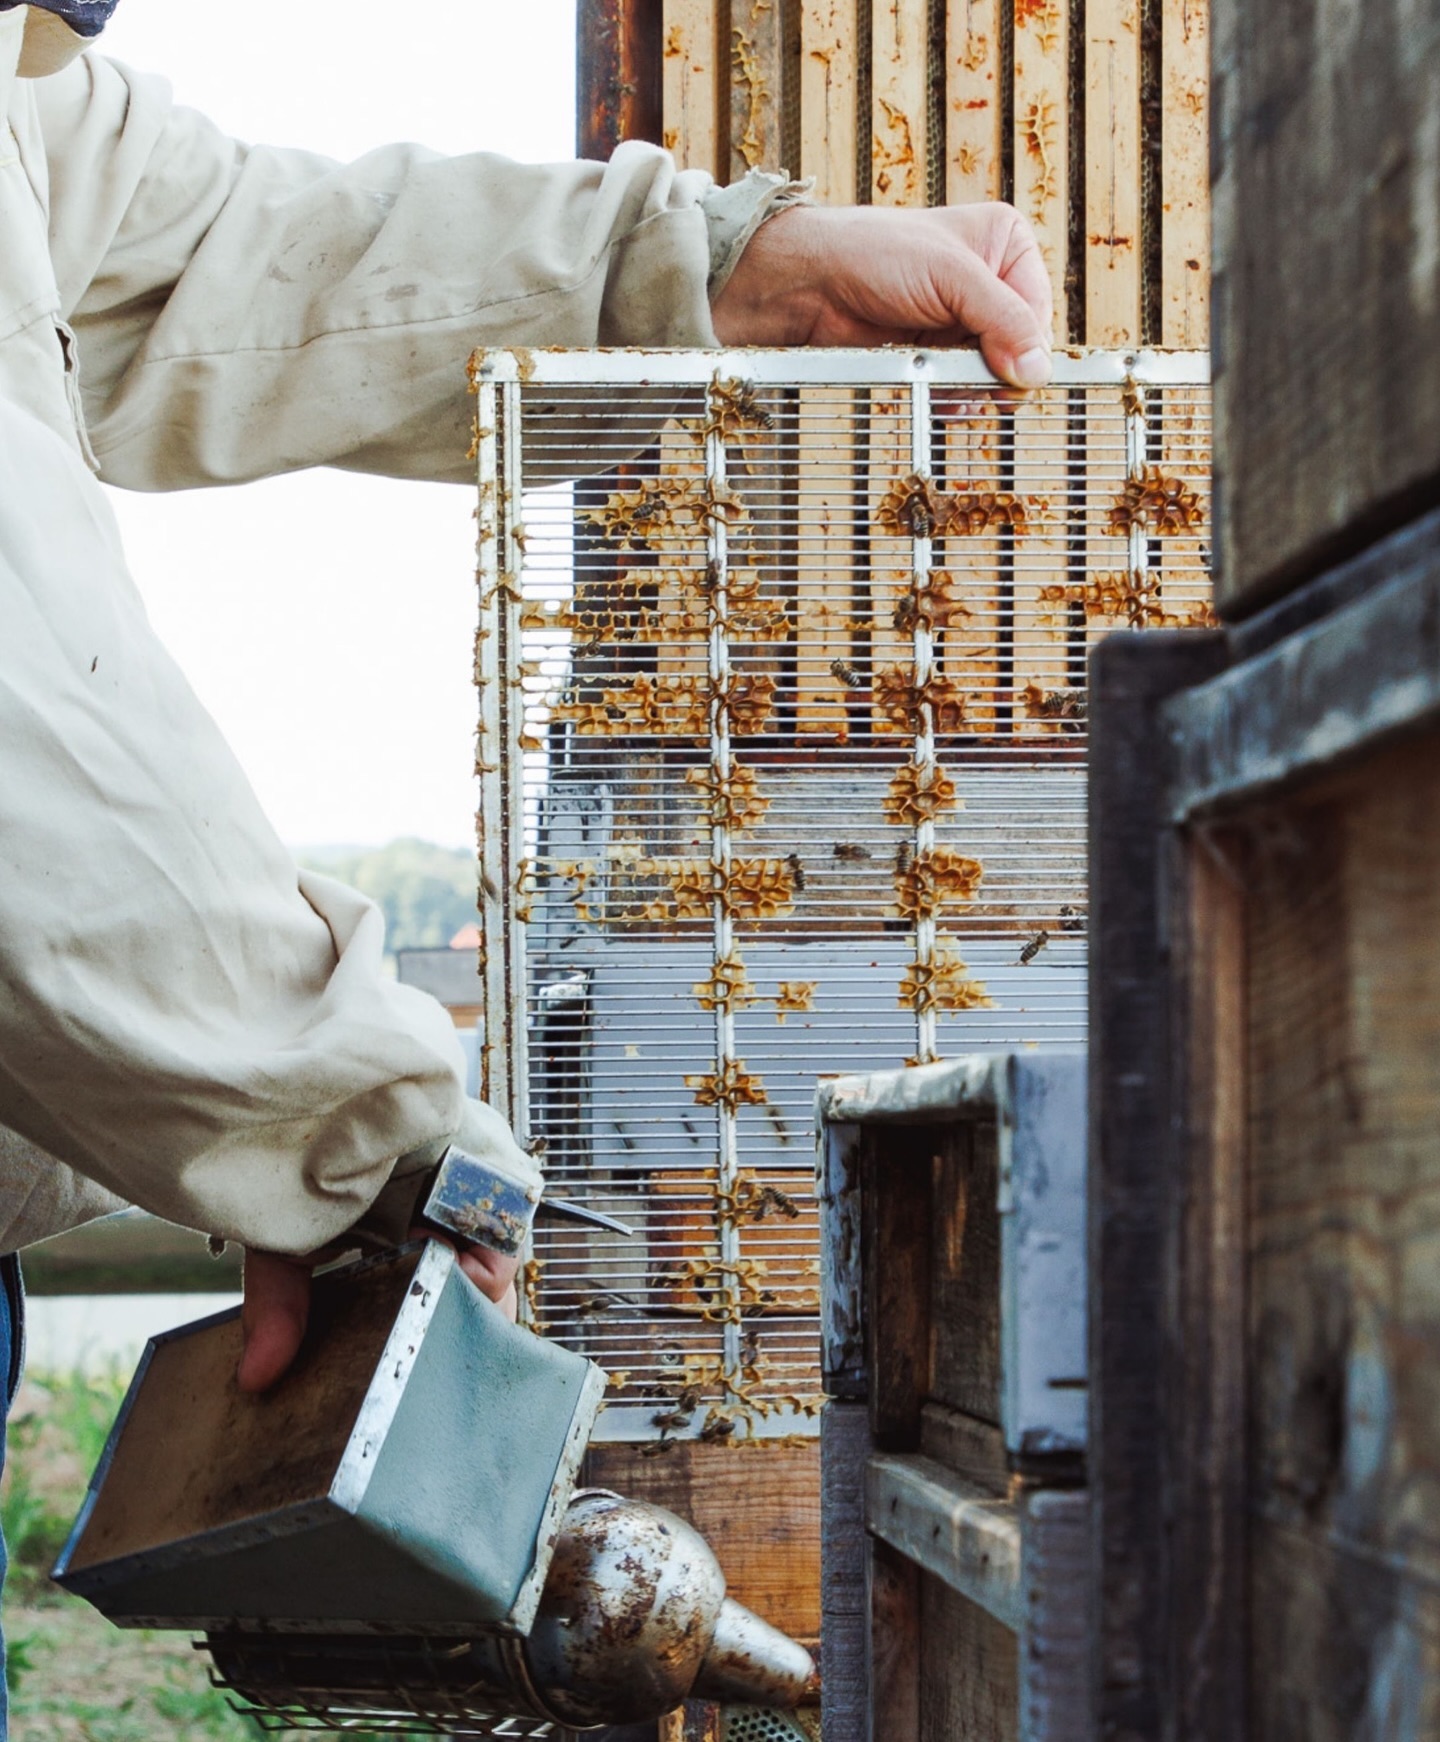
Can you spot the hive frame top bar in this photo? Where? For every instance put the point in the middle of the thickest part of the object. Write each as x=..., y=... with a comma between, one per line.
x=828, y=366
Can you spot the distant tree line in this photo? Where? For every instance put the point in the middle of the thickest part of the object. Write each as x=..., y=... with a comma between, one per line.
x=427, y=893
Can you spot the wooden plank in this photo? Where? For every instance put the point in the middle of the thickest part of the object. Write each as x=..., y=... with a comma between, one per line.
x=692, y=66
x=1328, y=332
x=898, y=1225
x=1042, y=133
x=842, y=1283
x=1369, y=666
x=1054, y=1691
x=845, y=1447
x=965, y=1271
x=1112, y=172
x=758, y=1507
x=972, y=1449
x=757, y=79
x=1352, y=1647
x=1129, y=1120
x=893, y=1663
x=1185, y=173
x=829, y=93
x=1045, y=432
x=969, y=1680
x=960, y=1533
x=968, y=646
x=1205, y=1423
x=899, y=114
x=974, y=110
x=830, y=657
x=1343, y=1021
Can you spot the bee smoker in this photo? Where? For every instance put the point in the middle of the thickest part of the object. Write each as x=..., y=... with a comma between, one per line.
x=633, y=1620
x=392, y=1535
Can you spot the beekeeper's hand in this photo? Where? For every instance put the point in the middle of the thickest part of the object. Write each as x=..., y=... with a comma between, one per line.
x=874, y=275
x=277, y=1304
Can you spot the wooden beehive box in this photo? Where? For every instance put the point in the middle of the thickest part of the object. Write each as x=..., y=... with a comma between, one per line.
x=956, y=1522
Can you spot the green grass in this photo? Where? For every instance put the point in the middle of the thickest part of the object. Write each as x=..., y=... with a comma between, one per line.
x=72, y=1676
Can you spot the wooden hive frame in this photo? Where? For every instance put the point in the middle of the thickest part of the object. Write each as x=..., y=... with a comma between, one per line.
x=1092, y=121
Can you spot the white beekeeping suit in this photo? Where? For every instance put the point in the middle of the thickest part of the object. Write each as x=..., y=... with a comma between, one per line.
x=186, y=1022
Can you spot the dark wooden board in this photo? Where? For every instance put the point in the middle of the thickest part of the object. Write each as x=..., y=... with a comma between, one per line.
x=897, y=1227
x=619, y=74
x=1327, y=283
x=970, y=1676
x=1129, y=1207
x=845, y=1444
x=896, y=1645
x=1343, y=1017
x=965, y=1272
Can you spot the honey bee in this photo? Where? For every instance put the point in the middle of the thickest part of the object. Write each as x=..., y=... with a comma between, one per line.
x=772, y=1198
x=904, y=858
x=750, y=408
x=1071, y=919
x=797, y=871
x=717, y=1427
x=922, y=521
x=850, y=850
x=1033, y=948
x=845, y=673
x=668, y=1420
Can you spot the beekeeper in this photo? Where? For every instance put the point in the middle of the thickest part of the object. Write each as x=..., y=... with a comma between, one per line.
x=187, y=1022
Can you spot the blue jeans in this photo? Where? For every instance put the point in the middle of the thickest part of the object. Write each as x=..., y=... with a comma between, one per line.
x=12, y=1354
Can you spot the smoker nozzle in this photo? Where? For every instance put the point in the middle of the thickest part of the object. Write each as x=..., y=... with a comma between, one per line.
x=752, y=1663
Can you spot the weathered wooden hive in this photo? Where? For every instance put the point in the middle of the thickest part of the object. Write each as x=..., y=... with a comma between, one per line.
x=792, y=697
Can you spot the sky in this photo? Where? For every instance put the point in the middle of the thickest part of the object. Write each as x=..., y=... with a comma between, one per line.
x=327, y=620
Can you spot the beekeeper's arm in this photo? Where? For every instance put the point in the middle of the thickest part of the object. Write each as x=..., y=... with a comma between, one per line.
x=243, y=311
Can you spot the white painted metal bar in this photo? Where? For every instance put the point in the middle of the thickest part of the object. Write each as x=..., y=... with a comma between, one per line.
x=717, y=591
x=491, y=748
x=820, y=366
x=927, y=759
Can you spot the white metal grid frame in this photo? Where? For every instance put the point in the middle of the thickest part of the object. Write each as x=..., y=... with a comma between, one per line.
x=781, y=758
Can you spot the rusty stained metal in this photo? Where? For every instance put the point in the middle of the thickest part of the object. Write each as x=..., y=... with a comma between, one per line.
x=619, y=74
x=633, y=1621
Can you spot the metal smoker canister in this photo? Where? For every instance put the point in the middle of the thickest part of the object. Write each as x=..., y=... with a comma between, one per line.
x=634, y=1619
x=393, y=1532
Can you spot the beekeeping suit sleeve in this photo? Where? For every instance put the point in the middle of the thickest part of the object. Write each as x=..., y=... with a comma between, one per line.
x=242, y=311
x=42, y=1196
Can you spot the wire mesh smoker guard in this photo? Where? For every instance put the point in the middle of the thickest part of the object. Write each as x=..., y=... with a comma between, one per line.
x=408, y=1475
x=782, y=769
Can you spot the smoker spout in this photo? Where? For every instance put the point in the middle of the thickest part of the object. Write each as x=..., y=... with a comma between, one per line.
x=752, y=1663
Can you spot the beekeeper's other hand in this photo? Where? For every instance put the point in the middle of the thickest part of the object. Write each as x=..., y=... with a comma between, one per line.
x=874, y=275
x=277, y=1304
